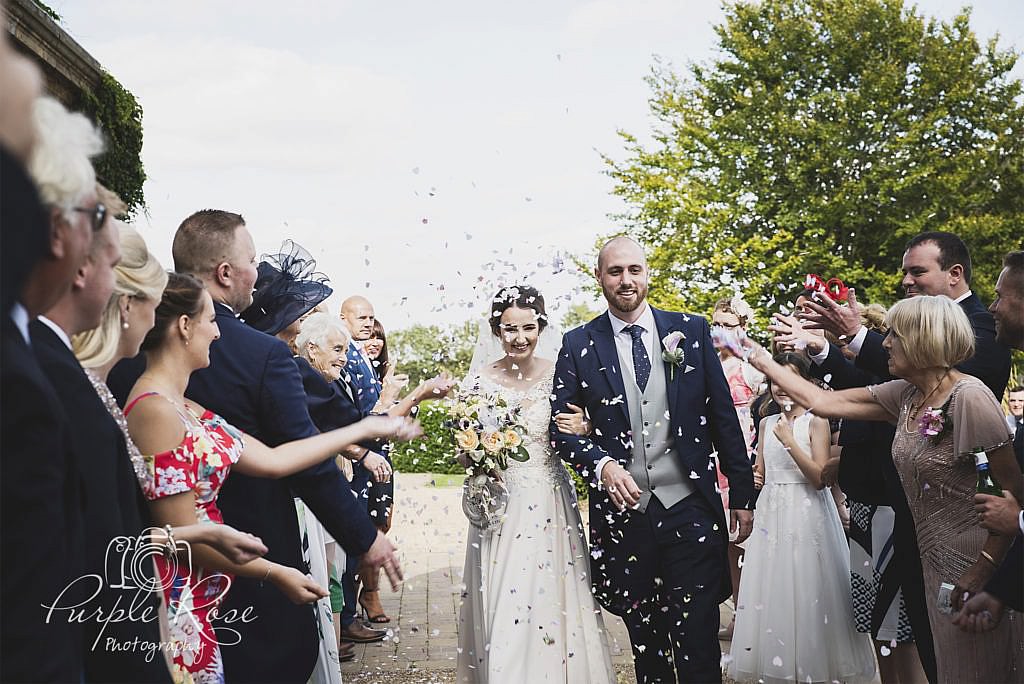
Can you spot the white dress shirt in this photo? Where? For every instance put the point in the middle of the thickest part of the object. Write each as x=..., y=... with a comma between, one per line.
x=59, y=331
x=20, y=317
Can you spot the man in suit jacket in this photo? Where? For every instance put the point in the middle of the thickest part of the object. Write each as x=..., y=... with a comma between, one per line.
x=935, y=263
x=114, y=505
x=657, y=528
x=40, y=492
x=253, y=382
x=1003, y=514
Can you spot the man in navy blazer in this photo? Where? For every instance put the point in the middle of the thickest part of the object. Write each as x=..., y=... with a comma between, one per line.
x=1002, y=514
x=658, y=531
x=935, y=263
x=253, y=382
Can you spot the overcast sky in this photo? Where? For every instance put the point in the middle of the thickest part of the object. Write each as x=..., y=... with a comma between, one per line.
x=415, y=148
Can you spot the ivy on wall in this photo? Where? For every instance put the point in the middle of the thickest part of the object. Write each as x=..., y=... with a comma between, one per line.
x=119, y=115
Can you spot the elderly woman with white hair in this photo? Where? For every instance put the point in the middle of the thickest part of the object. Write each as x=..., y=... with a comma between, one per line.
x=942, y=417
x=322, y=344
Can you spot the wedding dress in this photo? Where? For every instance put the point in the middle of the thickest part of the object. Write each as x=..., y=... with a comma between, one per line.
x=527, y=612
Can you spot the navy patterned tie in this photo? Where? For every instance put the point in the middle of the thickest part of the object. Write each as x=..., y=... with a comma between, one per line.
x=641, y=362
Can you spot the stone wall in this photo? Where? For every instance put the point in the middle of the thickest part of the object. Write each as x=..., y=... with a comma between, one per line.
x=67, y=67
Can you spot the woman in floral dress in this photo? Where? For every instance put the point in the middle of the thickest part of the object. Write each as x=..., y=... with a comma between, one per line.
x=193, y=449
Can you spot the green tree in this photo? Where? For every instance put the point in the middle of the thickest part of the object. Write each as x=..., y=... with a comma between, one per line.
x=423, y=351
x=577, y=314
x=823, y=136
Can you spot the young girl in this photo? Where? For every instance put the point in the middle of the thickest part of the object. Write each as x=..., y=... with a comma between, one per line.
x=794, y=619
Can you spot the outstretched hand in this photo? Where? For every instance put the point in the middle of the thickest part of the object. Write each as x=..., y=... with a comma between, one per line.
x=238, y=547
x=792, y=334
x=825, y=314
x=398, y=428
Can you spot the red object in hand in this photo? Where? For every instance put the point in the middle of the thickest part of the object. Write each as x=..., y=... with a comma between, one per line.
x=834, y=288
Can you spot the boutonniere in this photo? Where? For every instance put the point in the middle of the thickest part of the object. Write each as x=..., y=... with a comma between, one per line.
x=673, y=352
x=934, y=422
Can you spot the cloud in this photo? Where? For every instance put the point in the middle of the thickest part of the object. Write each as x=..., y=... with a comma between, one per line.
x=226, y=103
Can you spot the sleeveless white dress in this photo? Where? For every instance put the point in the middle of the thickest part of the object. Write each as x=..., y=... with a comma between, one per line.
x=794, y=614
x=527, y=612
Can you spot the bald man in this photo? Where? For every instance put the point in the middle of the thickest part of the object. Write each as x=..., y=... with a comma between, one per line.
x=657, y=527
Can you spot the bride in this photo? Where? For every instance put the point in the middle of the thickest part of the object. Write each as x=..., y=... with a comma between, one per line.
x=527, y=612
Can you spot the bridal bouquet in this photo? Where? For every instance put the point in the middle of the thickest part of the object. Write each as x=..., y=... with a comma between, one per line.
x=487, y=431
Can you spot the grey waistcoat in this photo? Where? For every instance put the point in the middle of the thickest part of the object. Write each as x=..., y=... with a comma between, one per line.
x=655, y=466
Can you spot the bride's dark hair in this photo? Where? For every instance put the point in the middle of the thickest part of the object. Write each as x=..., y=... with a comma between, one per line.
x=521, y=297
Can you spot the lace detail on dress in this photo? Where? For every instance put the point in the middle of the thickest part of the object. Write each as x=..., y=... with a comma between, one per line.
x=543, y=468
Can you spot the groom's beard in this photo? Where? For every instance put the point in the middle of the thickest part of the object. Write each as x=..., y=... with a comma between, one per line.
x=626, y=304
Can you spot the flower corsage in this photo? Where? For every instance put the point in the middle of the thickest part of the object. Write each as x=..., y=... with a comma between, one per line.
x=673, y=352
x=934, y=422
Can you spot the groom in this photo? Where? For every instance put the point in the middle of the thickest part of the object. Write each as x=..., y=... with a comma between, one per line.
x=658, y=532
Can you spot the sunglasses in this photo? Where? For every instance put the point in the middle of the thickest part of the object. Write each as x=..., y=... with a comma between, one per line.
x=98, y=214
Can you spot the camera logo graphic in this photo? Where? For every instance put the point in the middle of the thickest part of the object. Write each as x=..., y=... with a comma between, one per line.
x=129, y=561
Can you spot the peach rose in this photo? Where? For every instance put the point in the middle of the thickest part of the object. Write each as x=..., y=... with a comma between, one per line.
x=512, y=438
x=492, y=441
x=467, y=439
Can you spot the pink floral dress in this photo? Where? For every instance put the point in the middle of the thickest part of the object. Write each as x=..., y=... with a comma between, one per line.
x=199, y=464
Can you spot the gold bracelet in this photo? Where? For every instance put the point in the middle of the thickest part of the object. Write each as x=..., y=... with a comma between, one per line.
x=988, y=556
x=269, y=568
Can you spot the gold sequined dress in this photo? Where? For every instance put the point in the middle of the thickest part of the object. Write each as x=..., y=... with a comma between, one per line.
x=939, y=479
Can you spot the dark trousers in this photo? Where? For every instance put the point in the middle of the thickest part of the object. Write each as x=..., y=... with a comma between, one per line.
x=360, y=479
x=911, y=575
x=676, y=637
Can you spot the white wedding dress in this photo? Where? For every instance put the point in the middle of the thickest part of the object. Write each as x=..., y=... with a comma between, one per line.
x=527, y=612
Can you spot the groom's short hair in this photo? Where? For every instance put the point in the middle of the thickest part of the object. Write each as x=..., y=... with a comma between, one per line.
x=611, y=241
x=204, y=240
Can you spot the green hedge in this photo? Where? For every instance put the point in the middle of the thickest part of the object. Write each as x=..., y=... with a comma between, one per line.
x=435, y=451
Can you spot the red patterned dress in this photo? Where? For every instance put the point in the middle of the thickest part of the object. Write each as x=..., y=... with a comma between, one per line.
x=199, y=464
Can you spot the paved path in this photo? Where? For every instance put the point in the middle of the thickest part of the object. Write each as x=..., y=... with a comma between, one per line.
x=430, y=530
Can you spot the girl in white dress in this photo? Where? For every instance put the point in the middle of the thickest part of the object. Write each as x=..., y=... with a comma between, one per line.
x=794, y=618
x=527, y=612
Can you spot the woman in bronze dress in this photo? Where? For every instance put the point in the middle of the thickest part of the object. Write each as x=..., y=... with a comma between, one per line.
x=941, y=417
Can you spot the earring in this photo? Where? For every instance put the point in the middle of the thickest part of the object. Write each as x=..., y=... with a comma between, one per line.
x=124, y=325
x=186, y=341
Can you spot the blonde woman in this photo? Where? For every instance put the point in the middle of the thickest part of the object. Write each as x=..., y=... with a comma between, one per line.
x=941, y=416
x=140, y=280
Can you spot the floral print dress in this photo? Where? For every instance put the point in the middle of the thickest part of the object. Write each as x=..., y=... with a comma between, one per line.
x=199, y=464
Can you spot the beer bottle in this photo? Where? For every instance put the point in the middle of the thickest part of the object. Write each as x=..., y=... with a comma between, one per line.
x=986, y=481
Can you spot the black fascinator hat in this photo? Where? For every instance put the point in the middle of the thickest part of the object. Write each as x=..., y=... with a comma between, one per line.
x=288, y=286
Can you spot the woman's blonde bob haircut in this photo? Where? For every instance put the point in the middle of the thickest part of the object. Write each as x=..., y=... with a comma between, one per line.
x=934, y=330
x=139, y=275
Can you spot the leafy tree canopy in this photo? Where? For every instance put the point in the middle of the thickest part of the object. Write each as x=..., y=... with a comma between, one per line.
x=824, y=135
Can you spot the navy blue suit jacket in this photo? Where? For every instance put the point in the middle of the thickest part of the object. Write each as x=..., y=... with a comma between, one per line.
x=114, y=507
x=990, y=363
x=362, y=379
x=703, y=418
x=41, y=537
